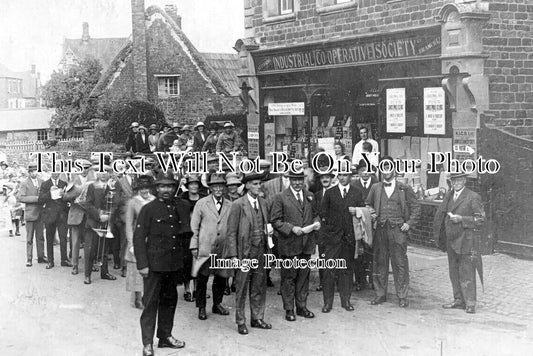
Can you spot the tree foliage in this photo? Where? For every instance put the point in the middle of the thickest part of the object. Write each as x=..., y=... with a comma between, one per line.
x=69, y=93
x=126, y=112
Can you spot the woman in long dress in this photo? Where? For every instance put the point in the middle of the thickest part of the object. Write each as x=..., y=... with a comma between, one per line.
x=134, y=280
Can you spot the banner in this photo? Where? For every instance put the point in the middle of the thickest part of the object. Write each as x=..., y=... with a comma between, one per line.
x=434, y=117
x=396, y=110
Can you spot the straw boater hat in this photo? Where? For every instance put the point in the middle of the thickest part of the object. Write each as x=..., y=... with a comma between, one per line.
x=216, y=179
x=233, y=179
x=134, y=124
x=229, y=124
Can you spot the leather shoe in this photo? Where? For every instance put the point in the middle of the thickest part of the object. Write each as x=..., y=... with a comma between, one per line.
x=107, y=276
x=87, y=280
x=219, y=309
x=28, y=264
x=378, y=300
x=348, y=306
x=289, y=315
x=123, y=272
x=456, y=304
x=202, y=315
x=306, y=313
x=242, y=329
x=404, y=303
x=326, y=308
x=75, y=270
x=148, y=350
x=471, y=309
x=50, y=265
x=269, y=282
x=188, y=297
x=66, y=263
x=171, y=342
x=42, y=260
x=259, y=323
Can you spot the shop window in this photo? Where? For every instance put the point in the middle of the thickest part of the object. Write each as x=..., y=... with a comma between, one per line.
x=328, y=6
x=168, y=86
x=279, y=10
x=42, y=135
x=77, y=134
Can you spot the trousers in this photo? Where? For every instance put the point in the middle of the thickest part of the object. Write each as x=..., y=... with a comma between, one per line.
x=61, y=226
x=390, y=244
x=463, y=277
x=295, y=285
x=34, y=228
x=160, y=299
x=342, y=276
x=254, y=283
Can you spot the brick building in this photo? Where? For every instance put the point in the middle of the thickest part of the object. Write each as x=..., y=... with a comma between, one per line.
x=19, y=90
x=161, y=65
x=76, y=50
x=422, y=76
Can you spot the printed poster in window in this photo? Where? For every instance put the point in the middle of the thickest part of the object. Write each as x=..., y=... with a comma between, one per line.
x=434, y=119
x=270, y=138
x=396, y=110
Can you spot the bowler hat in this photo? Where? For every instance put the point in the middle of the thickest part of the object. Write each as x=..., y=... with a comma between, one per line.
x=216, y=179
x=323, y=171
x=32, y=167
x=294, y=174
x=254, y=176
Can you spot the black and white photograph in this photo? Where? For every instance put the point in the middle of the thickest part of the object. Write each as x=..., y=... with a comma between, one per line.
x=269, y=177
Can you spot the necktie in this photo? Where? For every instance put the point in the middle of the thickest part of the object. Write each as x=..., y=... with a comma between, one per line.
x=219, y=205
x=299, y=198
x=455, y=196
x=255, y=207
x=344, y=193
x=387, y=184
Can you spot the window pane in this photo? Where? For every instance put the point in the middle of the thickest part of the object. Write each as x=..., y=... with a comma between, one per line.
x=286, y=6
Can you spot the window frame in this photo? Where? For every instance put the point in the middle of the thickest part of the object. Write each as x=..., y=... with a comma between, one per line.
x=287, y=11
x=335, y=6
x=41, y=134
x=163, y=82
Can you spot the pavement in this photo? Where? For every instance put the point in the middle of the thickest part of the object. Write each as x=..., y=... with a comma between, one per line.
x=44, y=312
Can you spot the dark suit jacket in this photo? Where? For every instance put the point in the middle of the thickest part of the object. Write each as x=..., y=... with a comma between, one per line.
x=199, y=142
x=75, y=212
x=240, y=224
x=140, y=146
x=337, y=222
x=461, y=236
x=53, y=210
x=29, y=195
x=287, y=212
x=408, y=201
x=357, y=183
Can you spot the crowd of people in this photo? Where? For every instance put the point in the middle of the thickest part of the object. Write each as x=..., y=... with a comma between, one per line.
x=164, y=229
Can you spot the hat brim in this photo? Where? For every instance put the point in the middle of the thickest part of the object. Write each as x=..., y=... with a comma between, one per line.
x=458, y=175
x=166, y=181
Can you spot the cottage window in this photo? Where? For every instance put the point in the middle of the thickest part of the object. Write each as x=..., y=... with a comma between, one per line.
x=168, y=86
x=42, y=135
x=77, y=134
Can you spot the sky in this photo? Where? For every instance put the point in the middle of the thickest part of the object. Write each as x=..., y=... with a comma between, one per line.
x=32, y=31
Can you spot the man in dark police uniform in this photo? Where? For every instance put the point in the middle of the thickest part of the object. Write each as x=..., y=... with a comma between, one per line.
x=159, y=259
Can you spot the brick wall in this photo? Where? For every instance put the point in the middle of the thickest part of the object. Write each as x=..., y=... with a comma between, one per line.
x=422, y=234
x=508, y=37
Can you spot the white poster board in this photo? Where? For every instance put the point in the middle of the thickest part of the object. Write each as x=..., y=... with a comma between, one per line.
x=434, y=119
x=328, y=144
x=276, y=109
x=396, y=110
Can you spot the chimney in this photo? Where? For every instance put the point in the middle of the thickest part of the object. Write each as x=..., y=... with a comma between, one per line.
x=172, y=11
x=140, y=80
x=85, y=36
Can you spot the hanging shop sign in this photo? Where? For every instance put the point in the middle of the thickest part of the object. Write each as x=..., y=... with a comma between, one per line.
x=396, y=110
x=283, y=109
x=434, y=118
x=358, y=51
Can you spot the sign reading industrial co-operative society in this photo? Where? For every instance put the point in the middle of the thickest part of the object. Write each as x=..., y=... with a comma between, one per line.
x=351, y=52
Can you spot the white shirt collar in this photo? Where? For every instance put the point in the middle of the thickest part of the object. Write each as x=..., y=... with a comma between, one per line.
x=342, y=187
x=251, y=199
x=215, y=199
x=296, y=194
x=365, y=184
x=457, y=193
